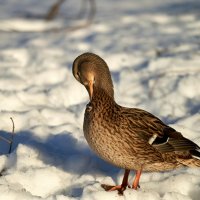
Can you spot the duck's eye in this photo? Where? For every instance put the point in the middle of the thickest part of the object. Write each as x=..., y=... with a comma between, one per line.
x=78, y=75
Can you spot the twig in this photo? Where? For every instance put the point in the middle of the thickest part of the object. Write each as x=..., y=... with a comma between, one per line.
x=53, y=11
x=85, y=24
x=12, y=135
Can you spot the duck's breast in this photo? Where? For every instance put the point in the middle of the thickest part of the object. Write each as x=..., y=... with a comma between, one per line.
x=103, y=134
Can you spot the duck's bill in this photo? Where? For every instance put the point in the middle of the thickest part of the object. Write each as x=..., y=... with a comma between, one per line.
x=89, y=88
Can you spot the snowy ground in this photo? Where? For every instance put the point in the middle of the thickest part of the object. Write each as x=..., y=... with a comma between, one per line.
x=153, y=50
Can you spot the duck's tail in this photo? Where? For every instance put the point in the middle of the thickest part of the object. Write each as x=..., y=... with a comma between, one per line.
x=196, y=158
x=193, y=161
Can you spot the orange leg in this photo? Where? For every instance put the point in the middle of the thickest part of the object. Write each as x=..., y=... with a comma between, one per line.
x=121, y=187
x=137, y=179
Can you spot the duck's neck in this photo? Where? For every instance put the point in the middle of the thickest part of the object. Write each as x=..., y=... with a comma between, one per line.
x=103, y=83
x=102, y=96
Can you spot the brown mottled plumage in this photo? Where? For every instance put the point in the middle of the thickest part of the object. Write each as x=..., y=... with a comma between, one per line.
x=129, y=138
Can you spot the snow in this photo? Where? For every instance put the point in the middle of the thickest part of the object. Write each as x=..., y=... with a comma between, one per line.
x=152, y=49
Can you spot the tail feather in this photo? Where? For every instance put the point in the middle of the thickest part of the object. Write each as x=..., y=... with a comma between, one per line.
x=195, y=154
x=192, y=161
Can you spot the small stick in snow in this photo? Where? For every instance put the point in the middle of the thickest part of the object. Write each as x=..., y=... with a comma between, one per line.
x=12, y=135
x=85, y=24
x=54, y=10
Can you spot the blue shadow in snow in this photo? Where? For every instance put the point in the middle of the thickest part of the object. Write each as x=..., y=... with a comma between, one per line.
x=62, y=151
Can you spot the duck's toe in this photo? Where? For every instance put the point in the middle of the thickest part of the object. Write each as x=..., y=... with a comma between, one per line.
x=119, y=188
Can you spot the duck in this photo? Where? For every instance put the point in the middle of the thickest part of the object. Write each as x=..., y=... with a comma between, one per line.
x=129, y=138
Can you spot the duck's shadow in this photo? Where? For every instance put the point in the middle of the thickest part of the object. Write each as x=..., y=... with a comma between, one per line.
x=63, y=151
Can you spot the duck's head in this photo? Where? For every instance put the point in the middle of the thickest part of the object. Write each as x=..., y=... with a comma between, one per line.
x=92, y=71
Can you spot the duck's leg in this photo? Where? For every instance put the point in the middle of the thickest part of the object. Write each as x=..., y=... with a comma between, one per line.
x=137, y=179
x=121, y=187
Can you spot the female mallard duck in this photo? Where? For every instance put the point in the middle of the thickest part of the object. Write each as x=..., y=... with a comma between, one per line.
x=130, y=138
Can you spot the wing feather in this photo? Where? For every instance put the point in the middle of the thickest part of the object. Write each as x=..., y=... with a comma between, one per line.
x=146, y=125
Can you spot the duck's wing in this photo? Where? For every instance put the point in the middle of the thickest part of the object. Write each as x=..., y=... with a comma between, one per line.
x=154, y=132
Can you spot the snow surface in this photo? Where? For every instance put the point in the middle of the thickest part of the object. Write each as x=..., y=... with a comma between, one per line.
x=153, y=50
